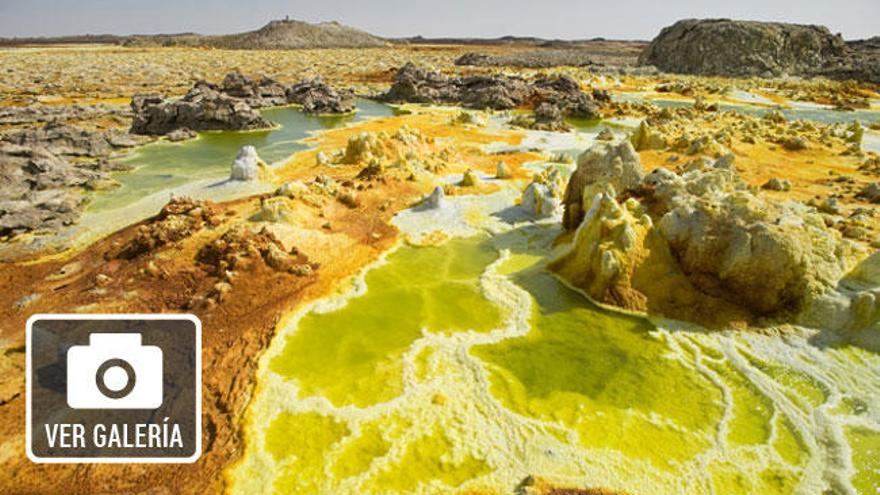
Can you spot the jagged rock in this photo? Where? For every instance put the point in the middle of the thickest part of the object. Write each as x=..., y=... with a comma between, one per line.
x=361, y=148
x=238, y=85
x=38, y=190
x=764, y=49
x=39, y=210
x=854, y=306
x=274, y=209
x=179, y=219
x=469, y=179
x=348, y=197
x=497, y=92
x=795, y=143
x=830, y=206
x=548, y=117
x=316, y=96
x=467, y=118
x=502, y=171
x=373, y=170
x=265, y=93
x=705, y=145
x=415, y=85
x=776, y=184
x=700, y=245
x=539, y=201
x=775, y=116
x=680, y=87
x=247, y=165
x=64, y=140
x=473, y=58
x=203, y=108
x=41, y=113
x=614, y=164
x=292, y=189
x=435, y=200
x=870, y=193
x=565, y=93
x=646, y=137
x=181, y=134
x=239, y=248
x=494, y=92
x=605, y=135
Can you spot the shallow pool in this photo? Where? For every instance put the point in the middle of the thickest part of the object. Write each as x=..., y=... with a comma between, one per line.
x=165, y=165
x=467, y=366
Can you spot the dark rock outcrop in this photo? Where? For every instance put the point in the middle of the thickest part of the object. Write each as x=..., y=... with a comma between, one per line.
x=498, y=92
x=232, y=104
x=860, y=62
x=204, y=108
x=263, y=93
x=65, y=140
x=742, y=48
x=36, y=113
x=413, y=84
x=316, y=96
x=40, y=190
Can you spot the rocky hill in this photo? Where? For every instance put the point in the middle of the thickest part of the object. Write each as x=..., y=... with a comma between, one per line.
x=281, y=34
x=742, y=48
x=287, y=34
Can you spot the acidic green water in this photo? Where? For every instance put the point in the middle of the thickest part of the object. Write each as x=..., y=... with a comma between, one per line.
x=165, y=165
x=354, y=356
x=468, y=366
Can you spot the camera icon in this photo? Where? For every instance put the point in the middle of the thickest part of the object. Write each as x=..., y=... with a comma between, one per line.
x=114, y=372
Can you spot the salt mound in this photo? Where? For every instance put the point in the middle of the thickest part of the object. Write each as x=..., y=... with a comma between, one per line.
x=247, y=164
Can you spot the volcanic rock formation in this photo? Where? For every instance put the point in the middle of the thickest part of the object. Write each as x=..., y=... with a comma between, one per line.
x=37, y=190
x=497, y=92
x=741, y=48
x=316, y=96
x=204, y=108
x=699, y=245
x=232, y=104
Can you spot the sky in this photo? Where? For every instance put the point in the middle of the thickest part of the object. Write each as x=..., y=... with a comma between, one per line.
x=564, y=19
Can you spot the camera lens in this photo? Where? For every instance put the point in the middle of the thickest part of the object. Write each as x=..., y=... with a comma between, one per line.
x=113, y=365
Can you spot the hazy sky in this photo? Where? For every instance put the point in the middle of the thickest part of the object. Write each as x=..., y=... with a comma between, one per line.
x=624, y=19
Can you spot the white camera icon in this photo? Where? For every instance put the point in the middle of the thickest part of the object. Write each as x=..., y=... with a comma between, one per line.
x=114, y=372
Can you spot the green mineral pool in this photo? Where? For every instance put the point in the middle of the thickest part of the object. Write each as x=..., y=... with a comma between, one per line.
x=467, y=367
x=165, y=165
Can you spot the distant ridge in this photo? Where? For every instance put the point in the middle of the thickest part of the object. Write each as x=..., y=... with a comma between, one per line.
x=508, y=40
x=281, y=34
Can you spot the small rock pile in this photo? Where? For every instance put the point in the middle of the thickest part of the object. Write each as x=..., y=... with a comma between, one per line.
x=239, y=247
x=401, y=154
x=180, y=218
